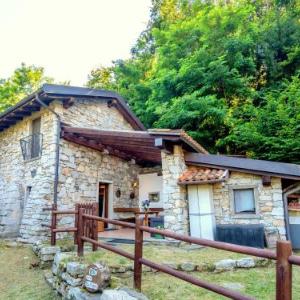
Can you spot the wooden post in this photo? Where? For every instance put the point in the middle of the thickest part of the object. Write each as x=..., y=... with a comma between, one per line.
x=76, y=222
x=95, y=225
x=138, y=253
x=283, y=271
x=53, y=225
x=80, y=232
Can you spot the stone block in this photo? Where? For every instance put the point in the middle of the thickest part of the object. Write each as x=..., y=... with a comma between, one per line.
x=246, y=262
x=49, y=250
x=225, y=265
x=76, y=269
x=188, y=267
x=70, y=280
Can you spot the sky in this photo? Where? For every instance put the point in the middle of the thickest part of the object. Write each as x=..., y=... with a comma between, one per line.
x=68, y=37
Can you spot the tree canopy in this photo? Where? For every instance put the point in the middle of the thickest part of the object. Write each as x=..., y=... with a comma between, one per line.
x=24, y=80
x=225, y=71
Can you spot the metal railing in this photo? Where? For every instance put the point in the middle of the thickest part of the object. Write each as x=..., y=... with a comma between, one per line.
x=32, y=146
x=283, y=256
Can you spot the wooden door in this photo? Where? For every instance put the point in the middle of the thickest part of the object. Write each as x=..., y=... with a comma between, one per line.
x=201, y=213
x=103, y=204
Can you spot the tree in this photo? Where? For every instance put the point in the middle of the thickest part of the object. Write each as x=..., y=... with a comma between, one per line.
x=218, y=69
x=24, y=80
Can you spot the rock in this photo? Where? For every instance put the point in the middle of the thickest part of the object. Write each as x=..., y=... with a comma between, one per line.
x=59, y=262
x=47, y=257
x=76, y=269
x=172, y=265
x=77, y=293
x=236, y=286
x=97, y=277
x=118, y=269
x=133, y=293
x=225, y=265
x=122, y=294
x=71, y=280
x=246, y=262
x=188, y=267
x=262, y=262
x=63, y=289
x=205, y=267
x=49, y=278
x=49, y=250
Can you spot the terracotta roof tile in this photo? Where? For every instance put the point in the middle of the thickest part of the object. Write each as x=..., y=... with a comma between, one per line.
x=200, y=175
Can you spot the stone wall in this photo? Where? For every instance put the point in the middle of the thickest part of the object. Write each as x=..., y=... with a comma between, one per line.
x=82, y=169
x=94, y=114
x=270, y=210
x=174, y=195
x=21, y=211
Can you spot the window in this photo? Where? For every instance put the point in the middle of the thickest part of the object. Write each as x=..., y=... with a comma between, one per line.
x=36, y=139
x=154, y=197
x=244, y=201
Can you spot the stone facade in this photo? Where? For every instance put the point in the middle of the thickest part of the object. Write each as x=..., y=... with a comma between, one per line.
x=26, y=186
x=81, y=171
x=174, y=195
x=270, y=211
x=93, y=114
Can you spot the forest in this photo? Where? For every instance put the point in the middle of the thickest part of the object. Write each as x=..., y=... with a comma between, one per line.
x=227, y=72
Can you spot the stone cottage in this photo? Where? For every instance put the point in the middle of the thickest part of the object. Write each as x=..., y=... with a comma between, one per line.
x=66, y=145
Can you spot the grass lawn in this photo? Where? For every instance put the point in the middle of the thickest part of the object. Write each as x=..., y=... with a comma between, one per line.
x=258, y=282
x=17, y=280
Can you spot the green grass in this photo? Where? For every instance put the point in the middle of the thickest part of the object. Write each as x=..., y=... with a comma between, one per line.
x=161, y=254
x=17, y=280
x=258, y=282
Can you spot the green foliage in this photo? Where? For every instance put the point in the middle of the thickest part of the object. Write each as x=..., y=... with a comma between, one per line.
x=228, y=73
x=25, y=80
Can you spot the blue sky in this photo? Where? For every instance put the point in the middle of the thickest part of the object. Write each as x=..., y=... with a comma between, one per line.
x=68, y=37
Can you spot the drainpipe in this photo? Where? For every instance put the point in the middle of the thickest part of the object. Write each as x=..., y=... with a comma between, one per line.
x=58, y=131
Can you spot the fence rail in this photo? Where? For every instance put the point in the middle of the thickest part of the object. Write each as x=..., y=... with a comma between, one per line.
x=283, y=256
x=91, y=208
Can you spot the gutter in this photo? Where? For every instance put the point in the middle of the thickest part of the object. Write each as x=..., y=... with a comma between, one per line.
x=57, y=150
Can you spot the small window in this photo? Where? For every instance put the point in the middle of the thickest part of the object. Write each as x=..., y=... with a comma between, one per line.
x=154, y=197
x=244, y=201
x=36, y=138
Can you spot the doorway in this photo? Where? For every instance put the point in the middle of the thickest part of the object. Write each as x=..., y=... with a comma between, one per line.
x=201, y=212
x=103, y=202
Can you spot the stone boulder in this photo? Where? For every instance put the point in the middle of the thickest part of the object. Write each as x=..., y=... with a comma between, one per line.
x=246, y=262
x=225, y=265
x=97, y=277
x=77, y=293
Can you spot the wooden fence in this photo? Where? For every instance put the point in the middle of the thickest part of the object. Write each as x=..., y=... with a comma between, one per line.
x=283, y=256
x=90, y=229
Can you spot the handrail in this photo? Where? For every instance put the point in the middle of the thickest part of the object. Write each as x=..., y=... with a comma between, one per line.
x=295, y=260
x=214, y=244
x=109, y=221
x=283, y=256
x=65, y=212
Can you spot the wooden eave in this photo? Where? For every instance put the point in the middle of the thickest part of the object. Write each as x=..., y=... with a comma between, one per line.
x=137, y=145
